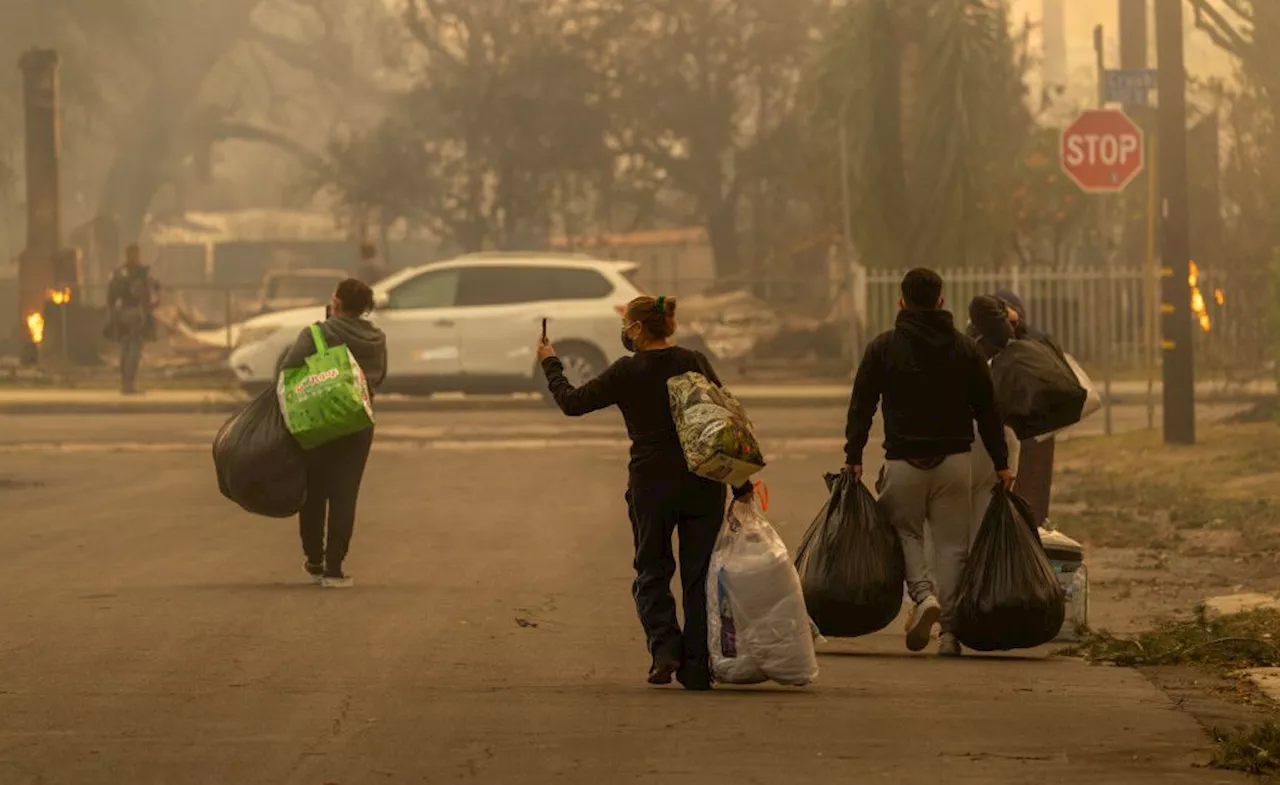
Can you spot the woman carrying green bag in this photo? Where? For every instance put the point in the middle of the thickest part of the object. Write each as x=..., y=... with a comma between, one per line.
x=335, y=466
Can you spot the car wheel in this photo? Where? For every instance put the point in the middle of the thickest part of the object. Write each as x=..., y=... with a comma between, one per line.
x=581, y=362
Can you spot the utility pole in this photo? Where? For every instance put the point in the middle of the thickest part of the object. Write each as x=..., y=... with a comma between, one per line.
x=1179, y=371
x=1133, y=34
x=1105, y=255
x=44, y=234
x=1139, y=236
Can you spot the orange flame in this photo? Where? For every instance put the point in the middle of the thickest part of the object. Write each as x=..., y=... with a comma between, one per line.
x=35, y=319
x=35, y=327
x=1197, y=299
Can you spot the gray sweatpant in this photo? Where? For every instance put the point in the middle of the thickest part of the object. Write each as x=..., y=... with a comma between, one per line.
x=984, y=475
x=940, y=498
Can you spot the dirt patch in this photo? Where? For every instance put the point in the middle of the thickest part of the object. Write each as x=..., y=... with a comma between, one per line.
x=1164, y=527
x=1266, y=410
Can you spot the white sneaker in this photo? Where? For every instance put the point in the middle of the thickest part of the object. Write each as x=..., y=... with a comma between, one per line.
x=337, y=582
x=948, y=645
x=920, y=623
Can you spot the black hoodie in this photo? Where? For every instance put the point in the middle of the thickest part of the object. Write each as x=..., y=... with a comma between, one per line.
x=934, y=383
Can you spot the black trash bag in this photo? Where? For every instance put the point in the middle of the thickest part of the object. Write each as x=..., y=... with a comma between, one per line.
x=851, y=564
x=1010, y=597
x=1036, y=389
x=258, y=461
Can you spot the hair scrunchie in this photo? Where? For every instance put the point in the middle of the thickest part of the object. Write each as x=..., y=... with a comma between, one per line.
x=660, y=305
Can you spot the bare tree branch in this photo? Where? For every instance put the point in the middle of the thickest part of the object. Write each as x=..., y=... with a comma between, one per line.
x=1240, y=9
x=239, y=130
x=1220, y=30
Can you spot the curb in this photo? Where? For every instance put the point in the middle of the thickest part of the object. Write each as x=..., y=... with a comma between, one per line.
x=528, y=403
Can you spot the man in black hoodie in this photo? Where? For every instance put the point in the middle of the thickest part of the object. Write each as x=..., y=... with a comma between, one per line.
x=934, y=383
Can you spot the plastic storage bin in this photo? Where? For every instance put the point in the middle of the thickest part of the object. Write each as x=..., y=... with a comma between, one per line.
x=1067, y=557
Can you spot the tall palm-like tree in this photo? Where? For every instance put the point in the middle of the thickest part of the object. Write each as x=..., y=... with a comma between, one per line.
x=931, y=95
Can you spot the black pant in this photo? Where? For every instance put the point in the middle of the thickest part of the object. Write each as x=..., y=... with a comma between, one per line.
x=130, y=360
x=693, y=509
x=1035, y=476
x=334, y=472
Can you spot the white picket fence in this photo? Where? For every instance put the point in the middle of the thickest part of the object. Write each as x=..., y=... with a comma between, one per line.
x=1090, y=310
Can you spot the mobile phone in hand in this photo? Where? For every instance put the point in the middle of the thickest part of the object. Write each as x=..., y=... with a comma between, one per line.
x=544, y=329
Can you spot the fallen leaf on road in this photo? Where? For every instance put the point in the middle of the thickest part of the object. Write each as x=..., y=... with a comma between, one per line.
x=523, y=622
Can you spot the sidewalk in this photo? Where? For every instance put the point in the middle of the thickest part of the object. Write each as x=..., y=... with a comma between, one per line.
x=44, y=400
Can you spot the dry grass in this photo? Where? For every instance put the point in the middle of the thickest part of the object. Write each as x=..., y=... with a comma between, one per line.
x=1230, y=643
x=1133, y=491
x=1254, y=750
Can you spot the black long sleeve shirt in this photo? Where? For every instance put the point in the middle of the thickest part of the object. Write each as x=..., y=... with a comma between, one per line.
x=637, y=385
x=933, y=383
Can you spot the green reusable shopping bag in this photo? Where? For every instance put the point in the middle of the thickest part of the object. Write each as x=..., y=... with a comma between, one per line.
x=327, y=398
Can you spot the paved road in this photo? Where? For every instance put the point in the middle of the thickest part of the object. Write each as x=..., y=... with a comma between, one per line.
x=150, y=633
x=818, y=427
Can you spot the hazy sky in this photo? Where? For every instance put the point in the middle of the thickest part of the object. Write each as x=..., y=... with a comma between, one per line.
x=1203, y=59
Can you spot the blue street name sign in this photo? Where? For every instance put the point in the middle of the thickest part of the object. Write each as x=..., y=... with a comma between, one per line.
x=1130, y=87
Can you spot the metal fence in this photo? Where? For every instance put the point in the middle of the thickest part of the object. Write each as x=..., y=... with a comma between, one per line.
x=1097, y=315
x=1103, y=315
x=193, y=317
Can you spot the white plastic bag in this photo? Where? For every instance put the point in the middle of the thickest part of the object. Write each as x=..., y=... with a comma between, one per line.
x=757, y=624
x=1094, y=402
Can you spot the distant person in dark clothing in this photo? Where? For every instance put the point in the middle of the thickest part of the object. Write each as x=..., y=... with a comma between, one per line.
x=336, y=469
x=1035, y=467
x=132, y=297
x=933, y=382
x=372, y=267
x=663, y=496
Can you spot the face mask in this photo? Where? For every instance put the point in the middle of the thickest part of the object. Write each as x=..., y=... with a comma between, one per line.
x=628, y=342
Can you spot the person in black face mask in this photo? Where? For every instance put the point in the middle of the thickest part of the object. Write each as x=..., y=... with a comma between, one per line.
x=663, y=496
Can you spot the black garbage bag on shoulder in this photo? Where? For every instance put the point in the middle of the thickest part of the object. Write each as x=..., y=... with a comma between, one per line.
x=850, y=563
x=259, y=463
x=1036, y=389
x=1010, y=597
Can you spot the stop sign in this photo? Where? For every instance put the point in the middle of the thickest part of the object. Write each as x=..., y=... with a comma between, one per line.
x=1102, y=151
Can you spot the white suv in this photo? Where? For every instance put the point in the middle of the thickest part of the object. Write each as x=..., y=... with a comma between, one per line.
x=471, y=324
